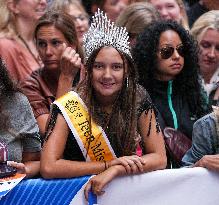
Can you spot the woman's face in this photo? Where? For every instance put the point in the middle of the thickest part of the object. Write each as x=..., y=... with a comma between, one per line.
x=50, y=45
x=81, y=21
x=30, y=9
x=209, y=51
x=170, y=58
x=114, y=7
x=168, y=9
x=108, y=74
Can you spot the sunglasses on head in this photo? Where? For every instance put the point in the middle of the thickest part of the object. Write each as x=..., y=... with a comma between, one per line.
x=167, y=51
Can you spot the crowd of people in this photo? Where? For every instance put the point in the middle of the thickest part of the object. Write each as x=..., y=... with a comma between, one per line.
x=88, y=87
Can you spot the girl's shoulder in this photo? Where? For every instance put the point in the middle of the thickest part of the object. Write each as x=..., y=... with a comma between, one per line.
x=143, y=99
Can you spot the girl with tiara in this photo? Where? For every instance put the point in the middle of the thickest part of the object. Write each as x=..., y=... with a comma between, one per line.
x=95, y=128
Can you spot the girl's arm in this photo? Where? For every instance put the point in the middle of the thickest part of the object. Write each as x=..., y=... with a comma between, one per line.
x=155, y=157
x=52, y=163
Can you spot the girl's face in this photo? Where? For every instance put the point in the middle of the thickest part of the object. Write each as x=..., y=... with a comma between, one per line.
x=209, y=51
x=170, y=58
x=108, y=74
x=81, y=21
x=168, y=9
x=30, y=9
x=114, y=7
x=50, y=45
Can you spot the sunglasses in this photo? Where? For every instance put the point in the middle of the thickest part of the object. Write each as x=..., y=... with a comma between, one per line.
x=167, y=51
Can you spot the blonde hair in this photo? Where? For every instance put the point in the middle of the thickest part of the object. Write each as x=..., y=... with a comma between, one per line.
x=184, y=21
x=137, y=16
x=209, y=20
x=7, y=20
x=63, y=5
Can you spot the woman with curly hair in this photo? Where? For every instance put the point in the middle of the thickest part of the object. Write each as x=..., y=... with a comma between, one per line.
x=166, y=57
x=94, y=130
x=18, y=128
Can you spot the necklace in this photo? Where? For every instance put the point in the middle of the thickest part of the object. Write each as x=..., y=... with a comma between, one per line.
x=30, y=51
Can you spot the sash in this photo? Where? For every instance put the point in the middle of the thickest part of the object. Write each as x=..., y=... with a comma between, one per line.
x=76, y=115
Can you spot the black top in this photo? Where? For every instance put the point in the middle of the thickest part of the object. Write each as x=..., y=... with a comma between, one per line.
x=159, y=97
x=195, y=12
x=72, y=150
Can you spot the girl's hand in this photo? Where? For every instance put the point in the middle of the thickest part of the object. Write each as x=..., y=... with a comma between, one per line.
x=133, y=164
x=98, y=182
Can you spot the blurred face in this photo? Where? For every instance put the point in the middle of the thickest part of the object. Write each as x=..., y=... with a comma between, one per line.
x=81, y=21
x=211, y=4
x=50, y=46
x=209, y=52
x=114, y=7
x=108, y=74
x=169, y=56
x=30, y=9
x=168, y=9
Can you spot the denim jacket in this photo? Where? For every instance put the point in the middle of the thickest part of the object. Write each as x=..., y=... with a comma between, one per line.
x=205, y=140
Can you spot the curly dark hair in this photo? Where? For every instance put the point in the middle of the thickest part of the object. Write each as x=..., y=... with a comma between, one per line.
x=122, y=120
x=7, y=90
x=187, y=81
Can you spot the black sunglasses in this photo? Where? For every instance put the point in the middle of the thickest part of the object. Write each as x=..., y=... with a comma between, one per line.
x=167, y=51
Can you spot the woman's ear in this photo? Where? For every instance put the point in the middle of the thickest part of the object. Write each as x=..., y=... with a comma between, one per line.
x=11, y=5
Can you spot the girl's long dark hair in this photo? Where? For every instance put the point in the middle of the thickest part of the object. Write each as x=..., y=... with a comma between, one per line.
x=122, y=120
x=187, y=81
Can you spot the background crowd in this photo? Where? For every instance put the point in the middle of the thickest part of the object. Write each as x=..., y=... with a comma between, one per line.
x=168, y=76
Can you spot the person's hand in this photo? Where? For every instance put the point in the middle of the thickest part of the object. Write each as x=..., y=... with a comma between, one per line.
x=70, y=61
x=98, y=182
x=216, y=95
x=133, y=164
x=210, y=162
x=19, y=166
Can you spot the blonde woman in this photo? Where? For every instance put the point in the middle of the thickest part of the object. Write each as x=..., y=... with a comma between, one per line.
x=17, y=23
x=78, y=13
x=136, y=17
x=206, y=31
x=172, y=9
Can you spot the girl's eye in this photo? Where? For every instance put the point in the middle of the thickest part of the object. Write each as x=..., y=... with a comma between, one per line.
x=98, y=66
x=41, y=44
x=117, y=66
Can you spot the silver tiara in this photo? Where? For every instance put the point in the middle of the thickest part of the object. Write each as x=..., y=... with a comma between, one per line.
x=103, y=32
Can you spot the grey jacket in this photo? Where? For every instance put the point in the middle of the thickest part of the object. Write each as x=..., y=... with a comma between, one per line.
x=205, y=140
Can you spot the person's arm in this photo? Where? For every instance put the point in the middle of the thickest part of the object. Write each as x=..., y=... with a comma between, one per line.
x=30, y=164
x=210, y=162
x=42, y=121
x=154, y=159
x=69, y=66
x=31, y=161
x=28, y=133
x=35, y=89
x=203, y=139
x=52, y=163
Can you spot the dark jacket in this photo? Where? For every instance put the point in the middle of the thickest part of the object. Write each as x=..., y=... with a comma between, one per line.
x=169, y=105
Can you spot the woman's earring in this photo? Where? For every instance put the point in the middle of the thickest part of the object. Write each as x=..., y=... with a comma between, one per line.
x=127, y=82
